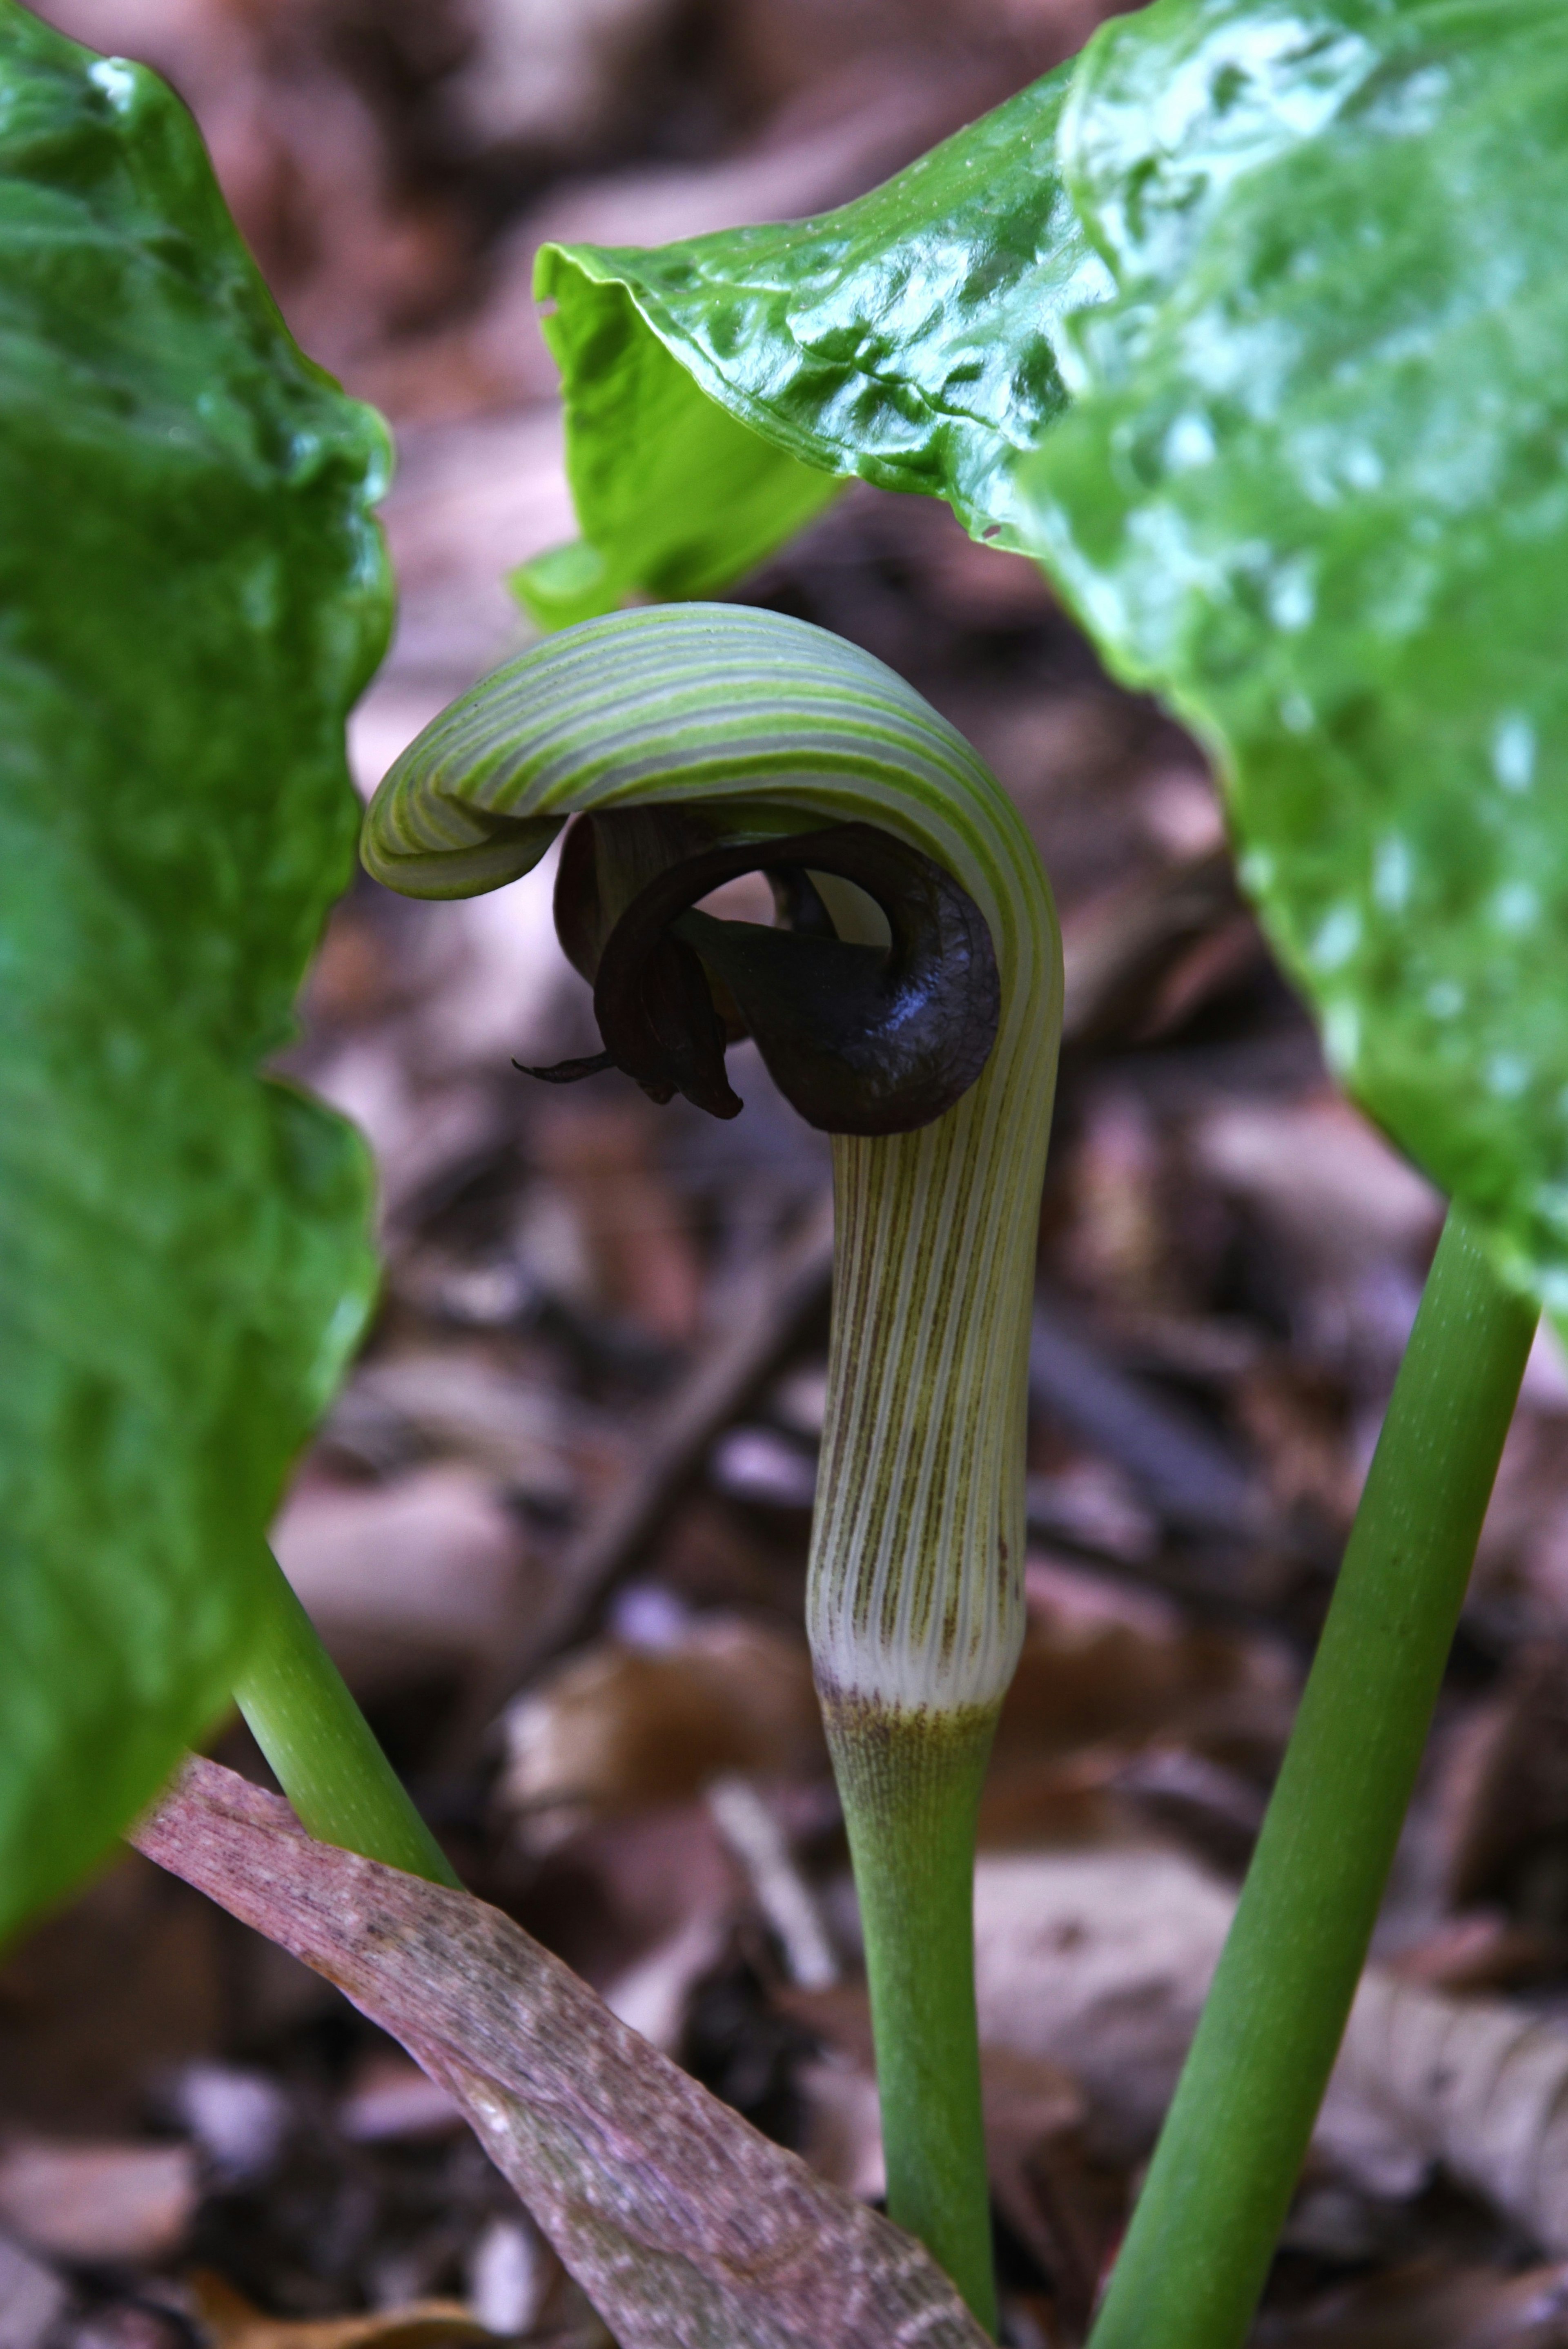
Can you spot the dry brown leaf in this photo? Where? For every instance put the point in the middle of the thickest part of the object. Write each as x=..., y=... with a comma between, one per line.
x=753, y=1835
x=1475, y=2083
x=456, y=1400
x=1506, y=1799
x=1093, y=1670
x=1099, y=1961
x=763, y=1311
x=654, y=1996
x=1097, y=1685
x=1477, y=1950
x=1432, y=2305
x=619, y=1728
x=419, y=1577
x=1121, y=1237
x=233, y=2323
x=842, y=2123
x=603, y=1158
x=682, y=2224
x=389, y=2100
x=32, y=2299
x=1322, y=1178
x=126, y=1981
x=510, y=2274
x=424, y=1130
x=646, y=1877
x=98, y=2201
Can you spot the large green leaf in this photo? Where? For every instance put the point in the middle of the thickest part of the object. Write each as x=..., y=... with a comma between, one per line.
x=911, y=337
x=191, y=592
x=1314, y=488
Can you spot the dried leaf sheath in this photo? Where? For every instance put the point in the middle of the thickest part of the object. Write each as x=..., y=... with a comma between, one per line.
x=688, y=2228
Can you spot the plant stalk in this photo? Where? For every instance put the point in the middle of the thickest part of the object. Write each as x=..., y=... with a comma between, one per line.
x=909, y=1784
x=1197, y=2253
x=760, y=729
x=323, y=1751
x=914, y=1603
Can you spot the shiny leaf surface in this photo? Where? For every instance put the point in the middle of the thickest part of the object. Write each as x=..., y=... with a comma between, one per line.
x=191, y=594
x=1313, y=490
x=911, y=337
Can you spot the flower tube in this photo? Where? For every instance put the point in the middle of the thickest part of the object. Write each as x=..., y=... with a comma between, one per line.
x=910, y=1002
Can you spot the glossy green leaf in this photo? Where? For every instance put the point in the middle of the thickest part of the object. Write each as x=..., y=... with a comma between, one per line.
x=911, y=337
x=191, y=592
x=1314, y=490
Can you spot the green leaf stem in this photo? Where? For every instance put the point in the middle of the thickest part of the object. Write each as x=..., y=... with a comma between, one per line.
x=192, y=593
x=1313, y=490
x=1204, y=2231
x=911, y=337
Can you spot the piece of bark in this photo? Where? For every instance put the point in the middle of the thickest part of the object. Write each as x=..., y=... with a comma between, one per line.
x=686, y=2227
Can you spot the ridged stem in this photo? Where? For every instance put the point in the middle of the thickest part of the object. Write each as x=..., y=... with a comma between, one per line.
x=915, y=1604
x=768, y=727
x=1198, y=2251
x=323, y=1751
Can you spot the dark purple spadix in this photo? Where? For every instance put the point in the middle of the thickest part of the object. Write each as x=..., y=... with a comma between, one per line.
x=859, y=1039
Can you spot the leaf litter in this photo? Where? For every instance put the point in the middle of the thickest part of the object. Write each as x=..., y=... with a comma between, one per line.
x=568, y=1485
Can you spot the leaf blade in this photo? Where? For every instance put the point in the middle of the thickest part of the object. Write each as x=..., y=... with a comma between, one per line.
x=1311, y=494
x=911, y=337
x=191, y=594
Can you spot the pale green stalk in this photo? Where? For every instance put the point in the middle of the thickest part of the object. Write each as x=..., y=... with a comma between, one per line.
x=915, y=1604
x=914, y=1610
x=323, y=1751
x=1203, y=2233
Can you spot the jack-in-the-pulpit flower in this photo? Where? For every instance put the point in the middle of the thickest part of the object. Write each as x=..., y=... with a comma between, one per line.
x=909, y=1002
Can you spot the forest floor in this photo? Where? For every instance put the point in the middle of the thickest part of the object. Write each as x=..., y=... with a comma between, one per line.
x=555, y=1528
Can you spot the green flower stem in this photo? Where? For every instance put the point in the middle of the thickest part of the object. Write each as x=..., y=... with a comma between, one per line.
x=322, y=1750
x=914, y=1603
x=763, y=728
x=1198, y=2251
x=911, y=1786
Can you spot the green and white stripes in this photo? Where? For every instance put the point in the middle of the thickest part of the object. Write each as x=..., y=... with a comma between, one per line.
x=772, y=727
x=914, y=1601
